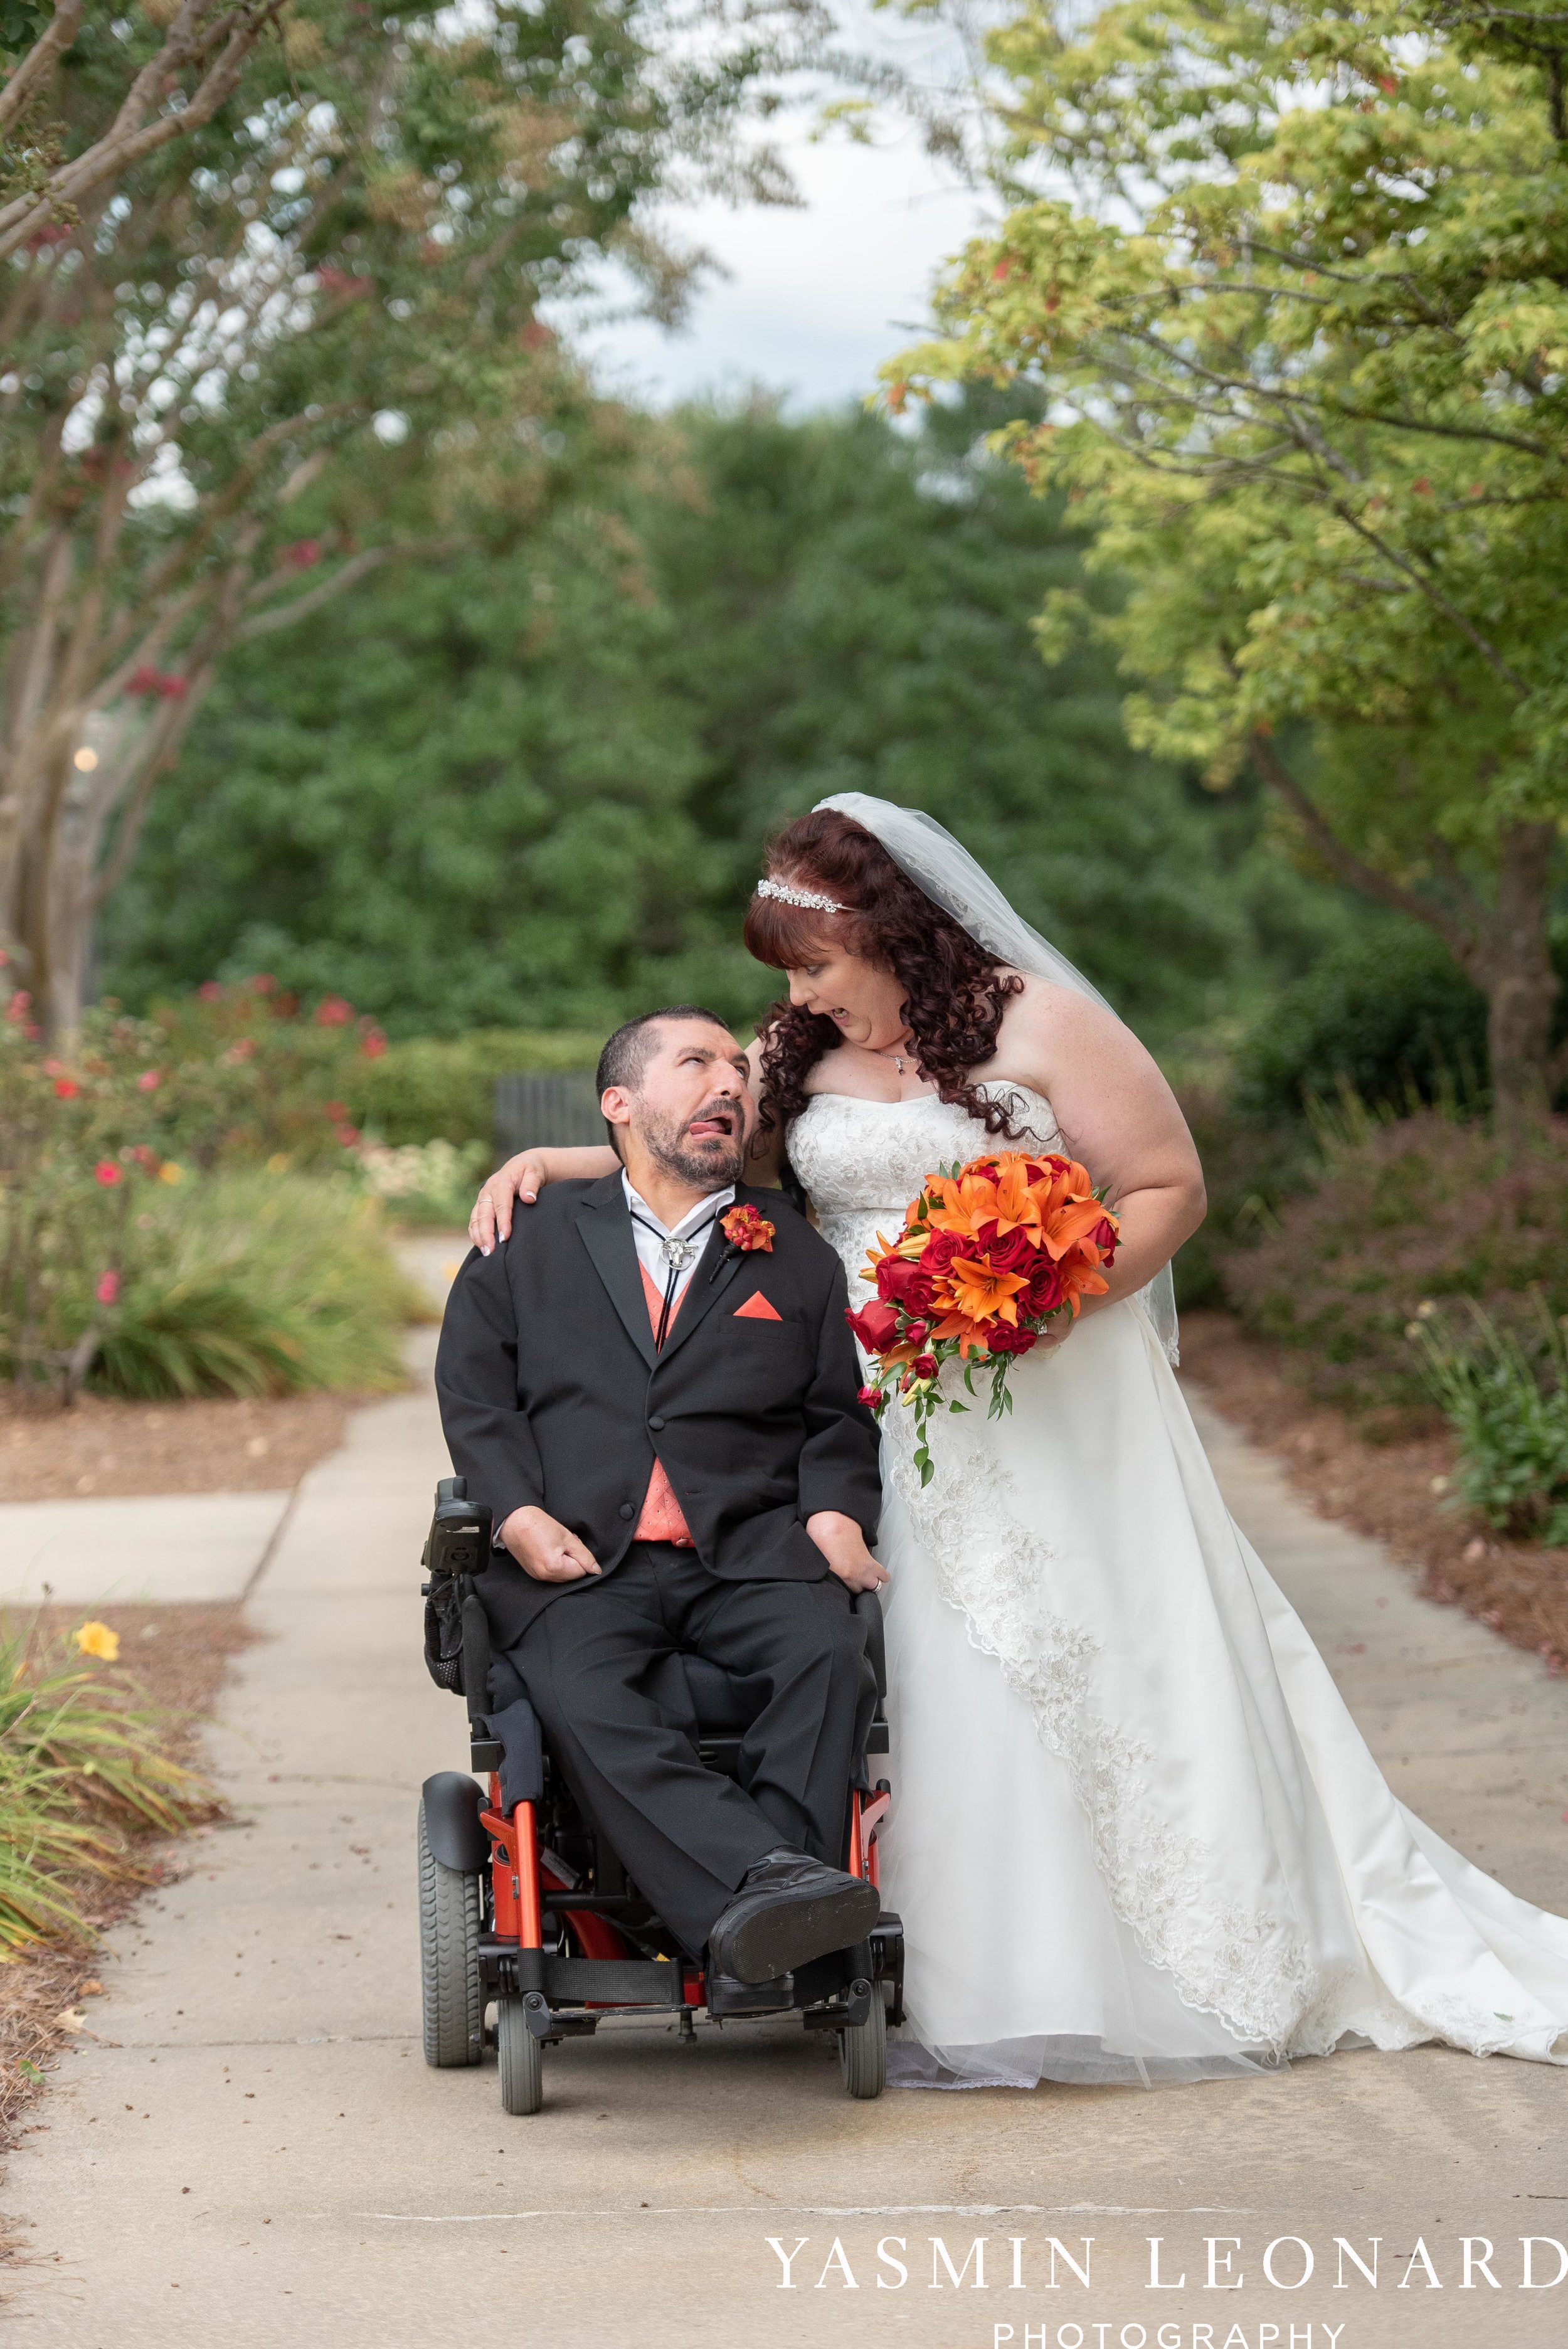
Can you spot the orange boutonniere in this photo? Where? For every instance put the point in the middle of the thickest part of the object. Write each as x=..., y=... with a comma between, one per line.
x=746, y=1230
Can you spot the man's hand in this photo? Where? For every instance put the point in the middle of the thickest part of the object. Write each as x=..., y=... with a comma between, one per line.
x=843, y=1544
x=545, y=1549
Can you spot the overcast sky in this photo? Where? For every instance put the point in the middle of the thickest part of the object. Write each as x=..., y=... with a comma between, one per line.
x=815, y=298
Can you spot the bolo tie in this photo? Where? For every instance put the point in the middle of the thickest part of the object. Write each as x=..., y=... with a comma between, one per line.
x=677, y=1254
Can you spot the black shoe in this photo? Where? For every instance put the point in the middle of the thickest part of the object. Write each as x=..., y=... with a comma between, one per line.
x=726, y=1996
x=788, y=1910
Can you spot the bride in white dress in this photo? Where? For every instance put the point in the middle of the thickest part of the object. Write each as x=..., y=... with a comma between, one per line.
x=1138, y=1837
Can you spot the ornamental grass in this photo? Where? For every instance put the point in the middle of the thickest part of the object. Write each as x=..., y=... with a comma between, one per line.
x=260, y=1283
x=87, y=1774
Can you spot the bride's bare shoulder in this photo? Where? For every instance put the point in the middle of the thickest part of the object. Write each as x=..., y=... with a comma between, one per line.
x=1048, y=1019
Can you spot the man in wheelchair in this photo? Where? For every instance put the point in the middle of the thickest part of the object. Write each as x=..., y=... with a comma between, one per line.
x=652, y=1397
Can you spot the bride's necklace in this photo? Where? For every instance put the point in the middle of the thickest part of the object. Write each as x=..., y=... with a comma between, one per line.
x=887, y=1053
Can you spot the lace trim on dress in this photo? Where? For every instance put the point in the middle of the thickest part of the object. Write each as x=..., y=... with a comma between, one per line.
x=1244, y=1965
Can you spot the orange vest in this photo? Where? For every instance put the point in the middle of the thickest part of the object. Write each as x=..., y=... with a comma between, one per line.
x=662, y=1519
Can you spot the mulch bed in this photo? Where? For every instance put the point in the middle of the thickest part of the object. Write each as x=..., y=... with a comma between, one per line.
x=1386, y=1474
x=175, y=1657
x=102, y=1445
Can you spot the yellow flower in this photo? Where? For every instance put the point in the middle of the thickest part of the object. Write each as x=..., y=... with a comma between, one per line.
x=170, y=1171
x=98, y=1640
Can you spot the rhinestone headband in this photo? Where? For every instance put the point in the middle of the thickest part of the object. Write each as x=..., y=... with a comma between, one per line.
x=813, y=901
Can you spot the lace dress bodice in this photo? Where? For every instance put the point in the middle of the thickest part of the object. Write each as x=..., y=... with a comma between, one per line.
x=863, y=1162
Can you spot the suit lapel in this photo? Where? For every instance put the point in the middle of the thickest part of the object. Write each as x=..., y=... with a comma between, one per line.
x=607, y=1228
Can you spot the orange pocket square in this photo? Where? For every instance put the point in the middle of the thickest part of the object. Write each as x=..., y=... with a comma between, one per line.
x=756, y=1308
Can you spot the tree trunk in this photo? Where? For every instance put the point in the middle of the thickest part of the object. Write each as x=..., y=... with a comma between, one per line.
x=1504, y=948
x=1513, y=966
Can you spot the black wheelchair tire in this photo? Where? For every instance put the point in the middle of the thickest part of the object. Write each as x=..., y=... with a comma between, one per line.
x=521, y=2059
x=863, y=2051
x=452, y=1997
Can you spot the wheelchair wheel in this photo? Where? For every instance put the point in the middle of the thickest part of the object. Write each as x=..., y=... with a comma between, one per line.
x=449, y=1961
x=863, y=2051
x=521, y=2059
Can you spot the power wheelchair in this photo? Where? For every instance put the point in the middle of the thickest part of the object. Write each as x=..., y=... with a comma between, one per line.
x=522, y=1902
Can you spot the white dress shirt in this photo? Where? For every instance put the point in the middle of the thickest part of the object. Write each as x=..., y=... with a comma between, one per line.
x=650, y=1236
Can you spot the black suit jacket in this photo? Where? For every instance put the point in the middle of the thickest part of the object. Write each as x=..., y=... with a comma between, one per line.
x=552, y=1394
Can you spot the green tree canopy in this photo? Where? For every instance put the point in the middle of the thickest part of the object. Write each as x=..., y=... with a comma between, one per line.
x=249, y=364
x=532, y=788
x=1299, y=340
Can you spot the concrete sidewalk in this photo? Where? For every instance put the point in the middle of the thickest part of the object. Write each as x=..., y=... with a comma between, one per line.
x=254, y=2151
x=165, y=1547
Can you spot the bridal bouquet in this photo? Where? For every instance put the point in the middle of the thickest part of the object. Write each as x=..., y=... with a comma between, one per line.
x=989, y=1254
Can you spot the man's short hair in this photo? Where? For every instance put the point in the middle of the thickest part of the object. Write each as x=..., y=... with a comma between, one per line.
x=630, y=1049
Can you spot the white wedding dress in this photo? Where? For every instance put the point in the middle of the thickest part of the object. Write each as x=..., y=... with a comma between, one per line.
x=1137, y=1836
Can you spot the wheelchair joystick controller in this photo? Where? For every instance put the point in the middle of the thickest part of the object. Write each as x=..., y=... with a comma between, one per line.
x=458, y=1550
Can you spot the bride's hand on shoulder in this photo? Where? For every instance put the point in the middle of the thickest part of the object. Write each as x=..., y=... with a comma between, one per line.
x=522, y=1178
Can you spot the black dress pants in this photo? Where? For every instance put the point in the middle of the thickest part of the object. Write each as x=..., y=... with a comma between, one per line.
x=601, y=1666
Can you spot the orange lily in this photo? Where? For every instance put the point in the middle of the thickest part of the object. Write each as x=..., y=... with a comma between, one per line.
x=981, y=1294
x=1071, y=1226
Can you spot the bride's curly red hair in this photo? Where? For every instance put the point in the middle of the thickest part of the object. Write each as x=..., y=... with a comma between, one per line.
x=955, y=992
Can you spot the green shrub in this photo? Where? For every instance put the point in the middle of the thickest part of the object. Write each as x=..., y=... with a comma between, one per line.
x=1405, y=1210
x=1251, y=1164
x=437, y=1088
x=141, y=1223
x=429, y=1183
x=82, y=1770
x=260, y=1283
x=1510, y=1413
x=1390, y=1015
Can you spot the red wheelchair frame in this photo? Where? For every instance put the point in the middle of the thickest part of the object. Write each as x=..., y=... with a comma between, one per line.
x=504, y=1917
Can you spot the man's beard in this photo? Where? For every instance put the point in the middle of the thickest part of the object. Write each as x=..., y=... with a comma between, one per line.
x=711, y=1162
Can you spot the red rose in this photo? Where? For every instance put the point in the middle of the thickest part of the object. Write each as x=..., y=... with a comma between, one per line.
x=1045, y=1291
x=940, y=1250
x=917, y=1333
x=904, y=1280
x=872, y=1398
x=1006, y=1339
x=876, y=1326
x=1015, y=1253
x=924, y=1366
x=1104, y=1238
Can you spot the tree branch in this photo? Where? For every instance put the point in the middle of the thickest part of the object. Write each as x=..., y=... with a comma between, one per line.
x=53, y=42
x=1462, y=941
x=130, y=137
x=263, y=623
x=1435, y=595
